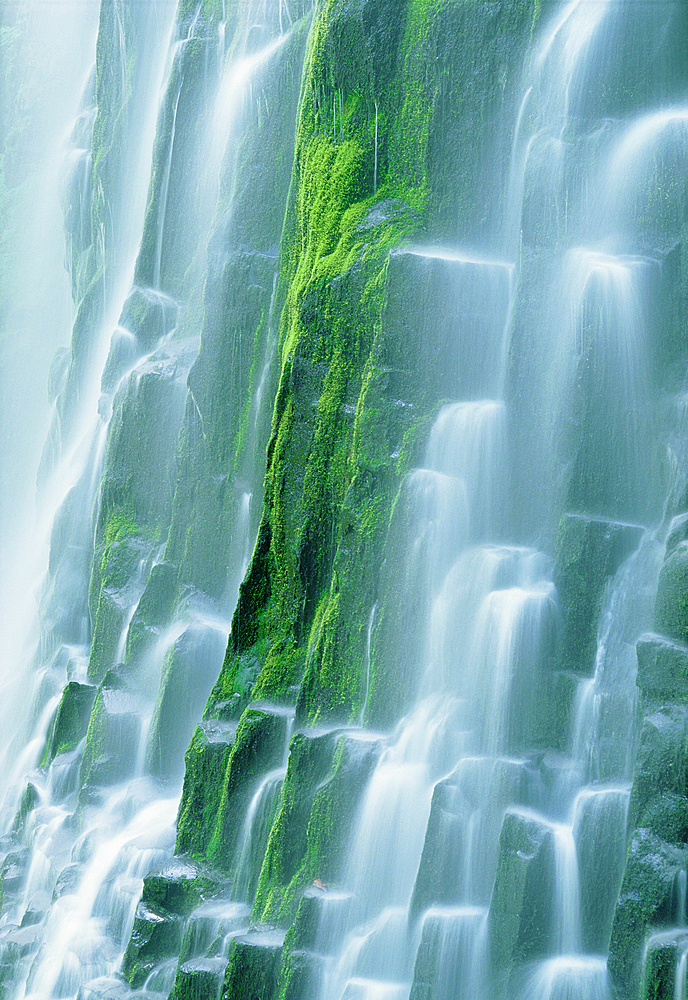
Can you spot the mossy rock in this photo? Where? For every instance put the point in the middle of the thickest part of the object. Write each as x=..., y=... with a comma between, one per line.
x=589, y=552
x=646, y=901
x=662, y=955
x=155, y=936
x=661, y=764
x=200, y=978
x=671, y=604
x=179, y=885
x=71, y=719
x=667, y=815
x=521, y=910
x=205, y=766
x=300, y=973
x=310, y=761
x=30, y=798
x=326, y=775
x=170, y=893
x=662, y=668
x=258, y=748
x=253, y=965
x=112, y=737
x=188, y=672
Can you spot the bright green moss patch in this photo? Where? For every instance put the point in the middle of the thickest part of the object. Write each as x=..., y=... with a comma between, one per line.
x=257, y=748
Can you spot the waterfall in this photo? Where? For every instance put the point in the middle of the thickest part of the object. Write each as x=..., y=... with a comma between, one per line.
x=361, y=475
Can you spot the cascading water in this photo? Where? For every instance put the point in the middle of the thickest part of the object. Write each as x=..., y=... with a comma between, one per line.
x=102, y=807
x=491, y=608
x=480, y=861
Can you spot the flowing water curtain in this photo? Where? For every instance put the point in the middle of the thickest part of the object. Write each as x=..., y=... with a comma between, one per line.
x=596, y=379
x=111, y=384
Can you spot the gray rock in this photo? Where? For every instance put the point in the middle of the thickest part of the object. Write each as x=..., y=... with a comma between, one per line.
x=521, y=911
x=662, y=667
x=589, y=552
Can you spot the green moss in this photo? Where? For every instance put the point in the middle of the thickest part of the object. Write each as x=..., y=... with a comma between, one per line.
x=71, y=720
x=310, y=761
x=206, y=764
x=257, y=748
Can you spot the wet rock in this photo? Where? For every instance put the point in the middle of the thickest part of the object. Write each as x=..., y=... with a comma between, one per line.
x=20, y=942
x=190, y=668
x=71, y=720
x=449, y=953
x=662, y=759
x=208, y=926
x=113, y=735
x=152, y=614
x=457, y=802
x=253, y=966
x=68, y=880
x=200, y=979
x=600, y=833
x=645, y=901
x=36, y=910
x=110, y=599
x=521, y=910
x=104, y=988
x=671, y=604
x=155, y=936
x=662, y=667
x=205, y=766
x=149, y=315
x=589, y=552
x=316, y=912
x=13, y=873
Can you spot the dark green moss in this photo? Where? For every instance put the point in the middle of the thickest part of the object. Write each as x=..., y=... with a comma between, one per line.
x=253, y=966
x=205, y=767
x=257, y=748
x=310, y=761
x=71, y=719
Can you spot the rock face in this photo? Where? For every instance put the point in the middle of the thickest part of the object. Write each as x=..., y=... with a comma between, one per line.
x=589, y=552
x=652, y=897
x=234, y=598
